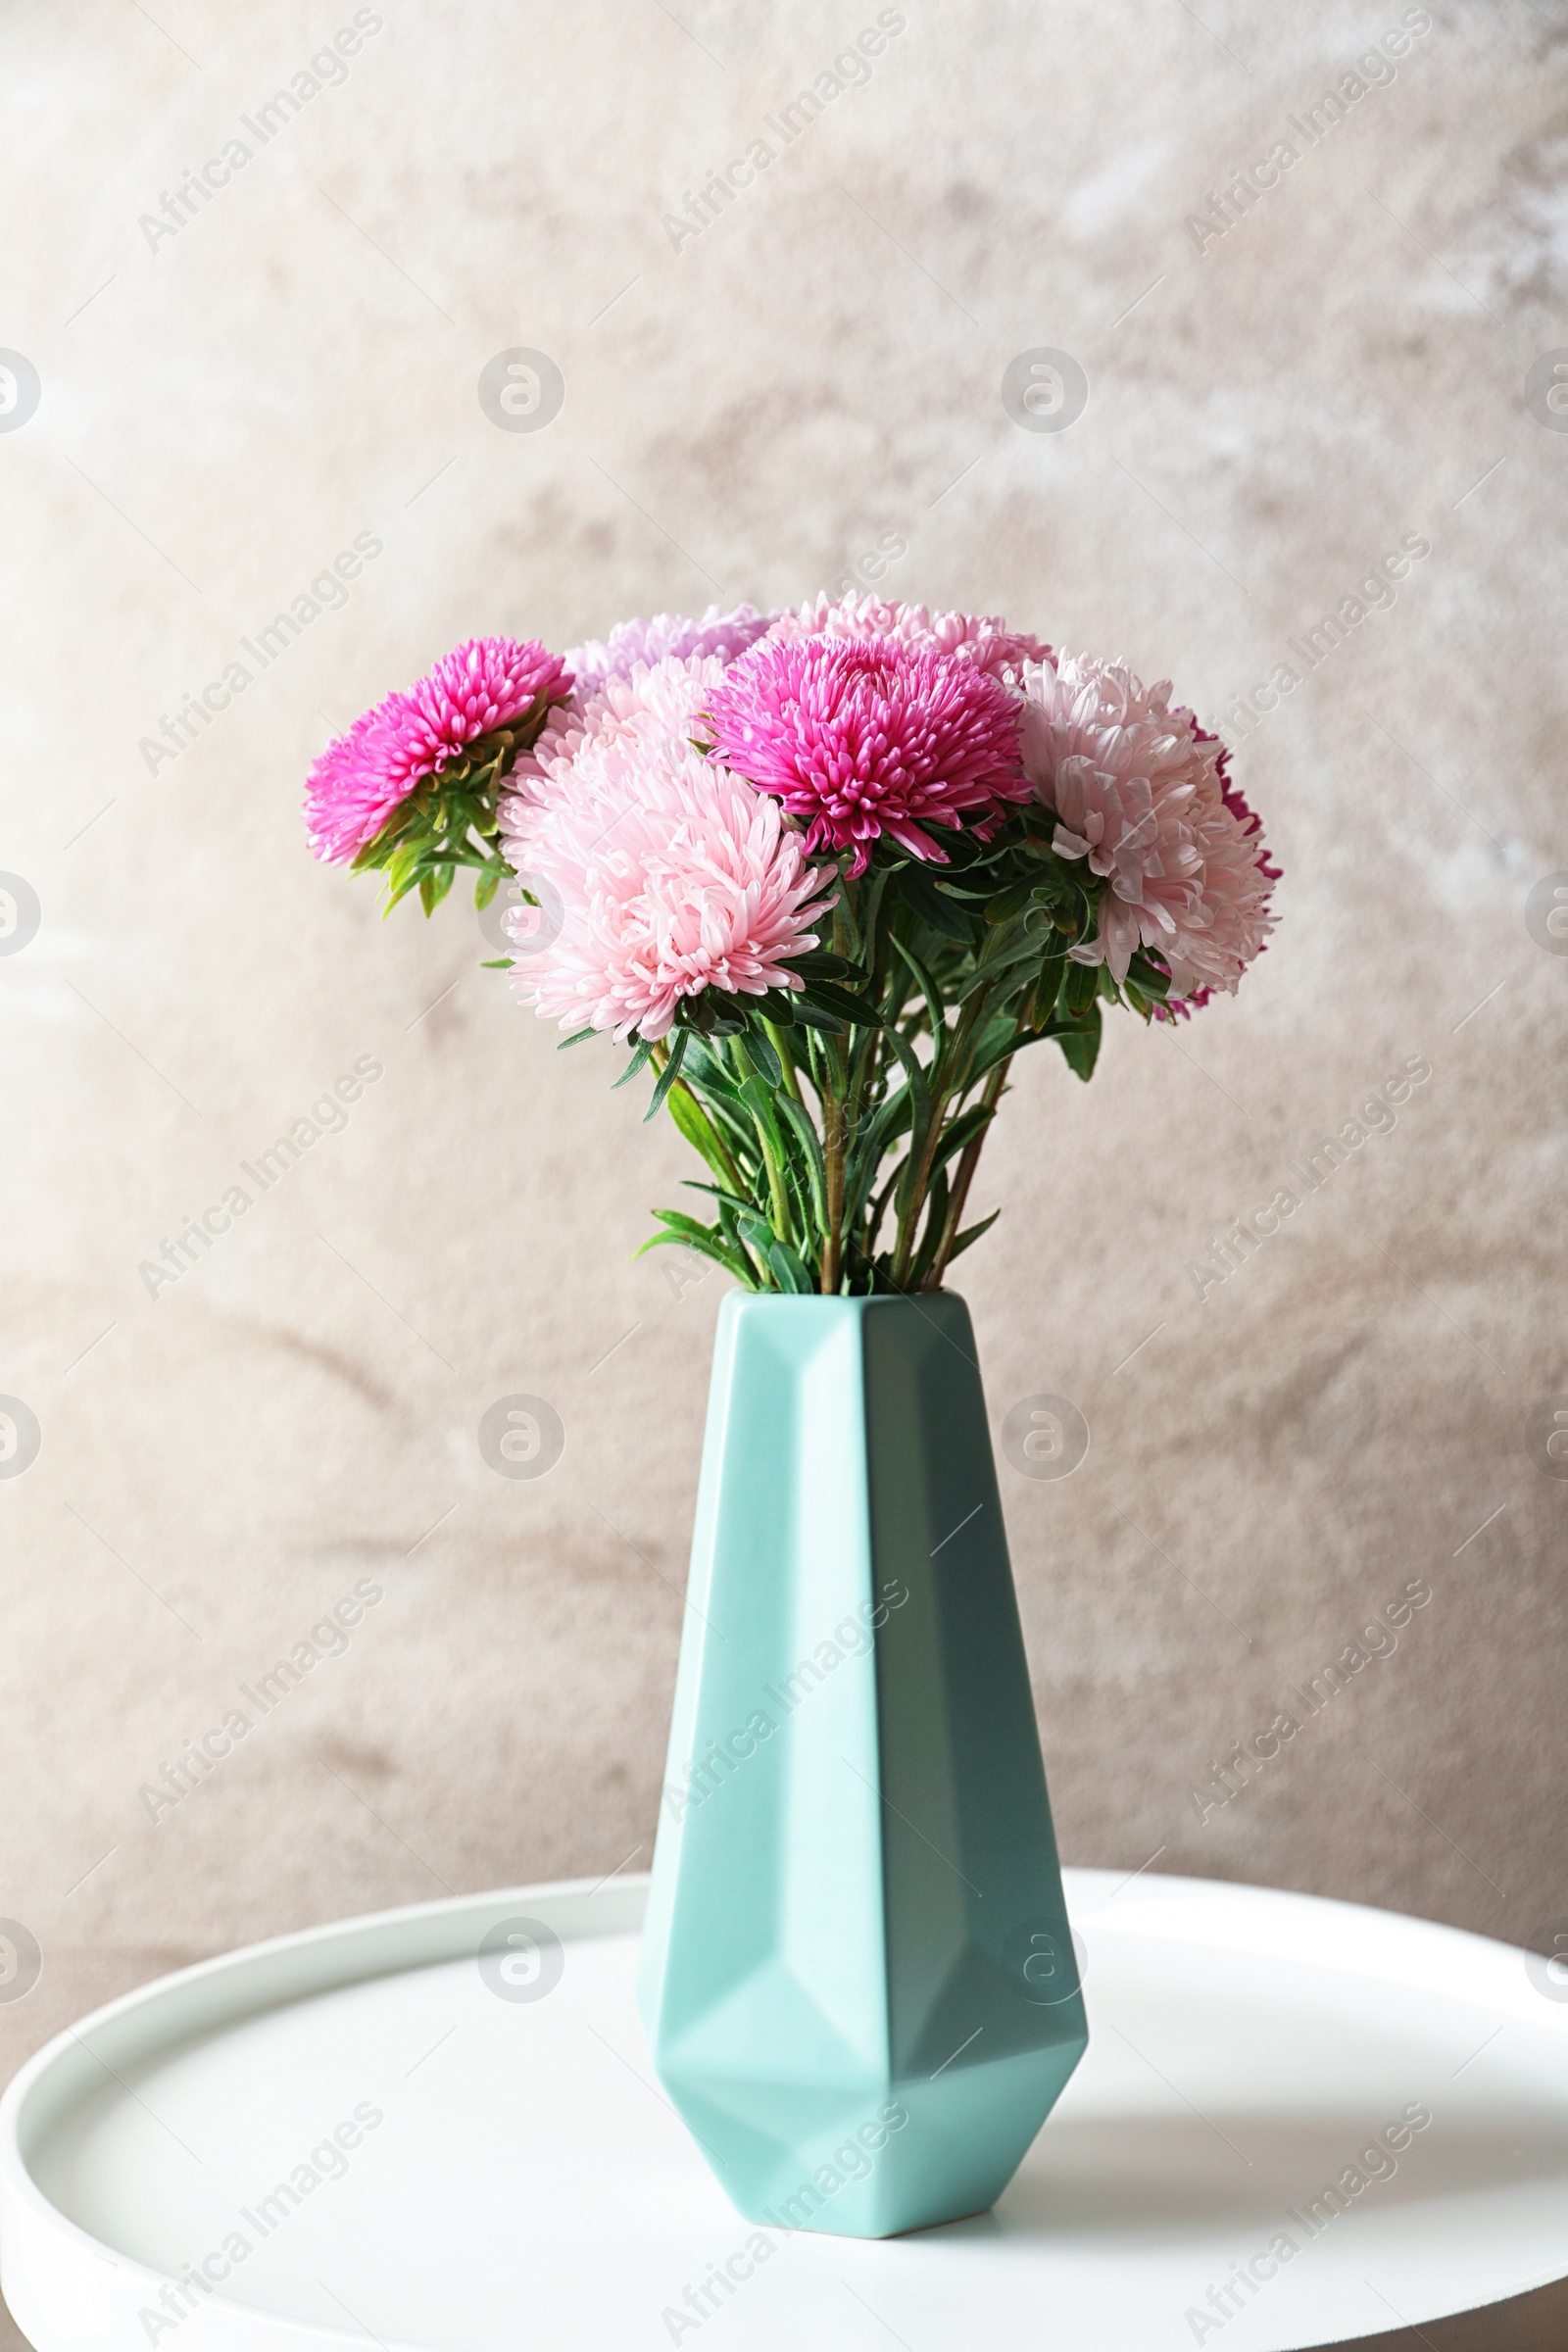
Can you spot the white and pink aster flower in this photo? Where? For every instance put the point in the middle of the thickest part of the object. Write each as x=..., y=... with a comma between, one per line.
x=725, y=634
x=984, y=639
x=363, y=777
x=865, y=736
x=1139, y=791
x=663, y=876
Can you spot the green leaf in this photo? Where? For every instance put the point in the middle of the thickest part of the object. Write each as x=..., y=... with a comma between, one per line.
x=761, y=1102
x=933, y=1001
x=1047, y=988
x=868, y=1151
x=711, y=1015
x=790, y=1270
x=877, y=1209
x=811, y=1145
x=962, y=1132
x=936, y=1216
x=776, y=1007
x=1081, y=1044
x=812, y=1016
x=679, y=1223
x=1003, y=951
x=855, y=926
x=402, y=867
x=413, y=812
x=484, y=890
x=752, y=1256
x=667, y=1075
x=759, y=1237
x=575, y=1039
x=692, y=1121
x=434, y=885
x=997, y=1041
x=638, y=1062
x=1081, y=988
x=758, y=1098
x=702, y=1062
x=712, y=1080
x=689, y=1235
x=818, y=964
x=725, y=1200
x=760, y=1047
x=857, y=1010
x=925, y=897
x=1005, y=903
x=499, y=963
x=1148, y=977
x=735, y=1127
x=972, y=1233
x=917, y=1080
x=919, y=1084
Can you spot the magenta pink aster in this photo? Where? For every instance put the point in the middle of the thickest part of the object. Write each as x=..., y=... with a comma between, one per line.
x=663, y=876
x=983, y=638
x=862, y=737
x=363, y=777
x=1139, y=791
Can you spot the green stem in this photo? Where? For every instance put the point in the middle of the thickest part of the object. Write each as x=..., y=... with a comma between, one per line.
x=777, y=1193
x=781, y=1046
x=910, y=1221
x=835, y=1139
x=963, y=1176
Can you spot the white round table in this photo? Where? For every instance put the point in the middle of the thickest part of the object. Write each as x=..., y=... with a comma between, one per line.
x=349, y=2137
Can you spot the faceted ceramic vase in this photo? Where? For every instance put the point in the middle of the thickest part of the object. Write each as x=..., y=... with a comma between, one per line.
x=857, y=1978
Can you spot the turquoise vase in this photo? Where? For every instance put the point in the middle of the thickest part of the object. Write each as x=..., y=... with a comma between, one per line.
x=857, y=1978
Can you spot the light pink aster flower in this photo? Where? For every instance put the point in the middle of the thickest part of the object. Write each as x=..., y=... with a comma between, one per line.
x=660, y=874
x=629, y=642
x=984, y=639
x=1139, y=791
x=365, y=775
x=865, y=736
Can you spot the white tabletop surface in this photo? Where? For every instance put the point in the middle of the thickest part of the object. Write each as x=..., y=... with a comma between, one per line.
x=526, y=2184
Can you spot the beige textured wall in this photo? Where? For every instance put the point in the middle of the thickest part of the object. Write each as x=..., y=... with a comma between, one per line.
x=747, y=416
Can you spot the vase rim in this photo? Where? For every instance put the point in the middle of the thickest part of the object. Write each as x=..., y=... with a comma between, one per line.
x=813, y=1299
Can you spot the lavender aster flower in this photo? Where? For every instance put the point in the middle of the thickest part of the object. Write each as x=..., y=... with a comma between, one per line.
x=629, y=642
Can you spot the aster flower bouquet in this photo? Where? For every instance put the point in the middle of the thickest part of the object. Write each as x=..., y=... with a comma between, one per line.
x=823, y=873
